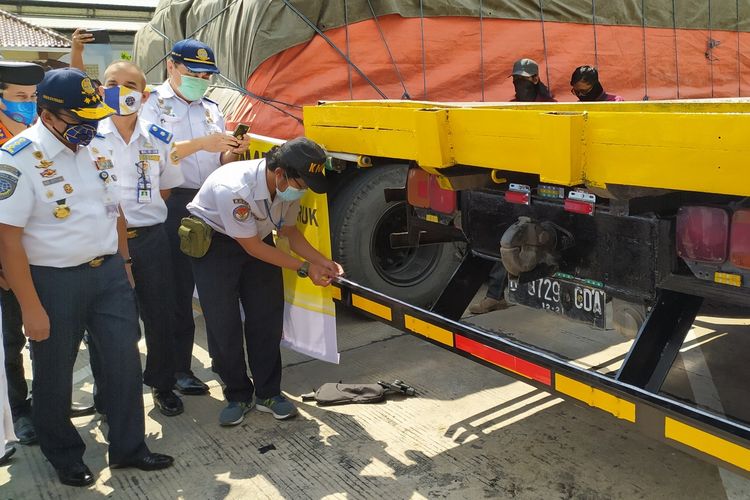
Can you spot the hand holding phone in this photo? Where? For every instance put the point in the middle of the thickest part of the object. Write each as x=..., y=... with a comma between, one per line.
x=240, y=130
x=99, y=35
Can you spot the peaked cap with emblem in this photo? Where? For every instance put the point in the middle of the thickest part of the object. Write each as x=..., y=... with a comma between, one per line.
x=196, y=56
x=306, y=159
x=71, y=89
x=20, y=73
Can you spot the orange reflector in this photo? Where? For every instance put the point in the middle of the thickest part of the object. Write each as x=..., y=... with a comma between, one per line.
x=372, y=307
x=335, y=293
x=428, y=330
x=504, y=360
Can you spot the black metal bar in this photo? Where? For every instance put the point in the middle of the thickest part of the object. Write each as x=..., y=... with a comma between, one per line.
x=724, y=294
x=462, y=287
x=659, y=340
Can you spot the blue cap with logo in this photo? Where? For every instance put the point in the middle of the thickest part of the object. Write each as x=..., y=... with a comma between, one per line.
x=196, y=56
x=71, y=89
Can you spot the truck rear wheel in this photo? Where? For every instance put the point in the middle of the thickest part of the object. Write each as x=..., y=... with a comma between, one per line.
x=361, y=224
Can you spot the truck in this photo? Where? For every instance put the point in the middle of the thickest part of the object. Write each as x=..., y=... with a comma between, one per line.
x=629, y=216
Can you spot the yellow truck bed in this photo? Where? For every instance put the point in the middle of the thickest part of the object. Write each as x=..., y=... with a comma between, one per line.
x=699, y=146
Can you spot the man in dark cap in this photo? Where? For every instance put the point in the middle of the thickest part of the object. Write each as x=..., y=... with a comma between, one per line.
x=528, y=85
x=59, y=241
x=243, y=203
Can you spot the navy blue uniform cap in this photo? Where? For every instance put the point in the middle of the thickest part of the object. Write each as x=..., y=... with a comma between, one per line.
x=20, y=73
x=196, y=56
x=72, y=90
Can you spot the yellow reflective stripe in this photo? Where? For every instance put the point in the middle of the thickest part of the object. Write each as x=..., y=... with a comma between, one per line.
x=597, y=398
x=335, y=293
x=430, y=331
x=707, y=443
x=372, y=307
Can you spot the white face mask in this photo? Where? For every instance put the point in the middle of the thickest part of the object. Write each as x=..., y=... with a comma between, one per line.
x=123, y=100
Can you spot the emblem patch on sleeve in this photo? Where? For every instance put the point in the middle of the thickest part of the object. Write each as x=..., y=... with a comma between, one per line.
x=8, y=185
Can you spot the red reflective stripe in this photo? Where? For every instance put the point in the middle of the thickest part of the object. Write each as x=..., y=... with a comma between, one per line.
x=504, y=360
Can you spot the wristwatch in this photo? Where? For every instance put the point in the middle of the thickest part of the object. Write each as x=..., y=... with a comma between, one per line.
x=304, y=270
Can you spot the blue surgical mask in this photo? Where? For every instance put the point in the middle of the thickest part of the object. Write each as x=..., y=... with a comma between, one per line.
x=290, y=193
x=192, y=88
x=22, y=112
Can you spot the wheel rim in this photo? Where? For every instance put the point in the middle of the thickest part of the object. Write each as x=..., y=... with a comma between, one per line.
x=401, y=267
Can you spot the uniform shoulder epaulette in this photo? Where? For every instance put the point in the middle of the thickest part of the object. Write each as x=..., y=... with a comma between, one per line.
x=161, y=134
x=209, y=100
x=13, y=146
x=99, y=136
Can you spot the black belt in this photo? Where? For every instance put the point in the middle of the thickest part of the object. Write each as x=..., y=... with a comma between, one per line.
x=188, y=191
x=134, y=232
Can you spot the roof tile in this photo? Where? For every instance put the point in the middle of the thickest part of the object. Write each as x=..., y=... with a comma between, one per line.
x=15, y=32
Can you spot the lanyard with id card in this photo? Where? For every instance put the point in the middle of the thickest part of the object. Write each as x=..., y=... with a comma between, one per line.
x=281, y=242
x=143, y=186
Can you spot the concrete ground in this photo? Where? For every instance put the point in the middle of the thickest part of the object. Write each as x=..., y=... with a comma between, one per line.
x=470, y=433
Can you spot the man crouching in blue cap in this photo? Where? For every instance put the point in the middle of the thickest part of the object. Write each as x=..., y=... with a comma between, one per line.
x=59, y=242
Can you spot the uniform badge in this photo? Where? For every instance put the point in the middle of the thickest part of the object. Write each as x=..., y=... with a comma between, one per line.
x=241, y=213
x=87, y=86
x=61, y=211
x=10, y=170
x=161, y=134
x=68, y=188
x=38, y=155
x=103, y=163
x=202, y=54
x=95, y=151
x=209, y=118
x=8, y=185
x=45, y=164
x=48, y=173
x=49, y=193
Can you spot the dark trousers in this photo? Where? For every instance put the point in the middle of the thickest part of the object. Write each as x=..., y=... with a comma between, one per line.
x=152, y=272
x=13, y=343
x=182, y=281
x=101, y=301
x=224, y=276
x=498, y=281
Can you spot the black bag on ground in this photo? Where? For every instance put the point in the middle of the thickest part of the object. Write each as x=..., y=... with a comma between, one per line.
x=334, y=394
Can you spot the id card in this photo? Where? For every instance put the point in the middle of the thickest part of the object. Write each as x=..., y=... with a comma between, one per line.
x=144, y=195
x=143, y=189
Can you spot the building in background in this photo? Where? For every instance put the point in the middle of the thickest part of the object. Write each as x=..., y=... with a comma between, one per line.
x=122, y=18
x=23, y=41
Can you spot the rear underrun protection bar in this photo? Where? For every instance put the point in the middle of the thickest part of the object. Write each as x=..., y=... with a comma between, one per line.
x=706, y=435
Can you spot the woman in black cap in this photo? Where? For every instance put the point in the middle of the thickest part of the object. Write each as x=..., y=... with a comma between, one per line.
x=243, y=203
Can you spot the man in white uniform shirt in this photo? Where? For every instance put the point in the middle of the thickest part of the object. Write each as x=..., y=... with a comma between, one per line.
x=141, y=154
x=66, y=259
x=178, y=106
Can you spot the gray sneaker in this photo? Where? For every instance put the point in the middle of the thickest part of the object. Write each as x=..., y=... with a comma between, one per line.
x=234, y=413
x=279, y=406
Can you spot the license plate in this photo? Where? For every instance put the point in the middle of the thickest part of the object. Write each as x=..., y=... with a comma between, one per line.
x=579, y=302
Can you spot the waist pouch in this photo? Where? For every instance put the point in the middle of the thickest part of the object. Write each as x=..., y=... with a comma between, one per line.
x=195, y=236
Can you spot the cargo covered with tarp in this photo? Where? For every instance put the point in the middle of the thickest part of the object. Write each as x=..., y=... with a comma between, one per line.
x=277, y=55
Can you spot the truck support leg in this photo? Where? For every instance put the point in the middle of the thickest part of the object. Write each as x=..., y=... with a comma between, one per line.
x=463, y=286
x=659, y=340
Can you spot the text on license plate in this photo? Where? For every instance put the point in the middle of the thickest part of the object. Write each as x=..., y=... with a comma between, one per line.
x=575, y=301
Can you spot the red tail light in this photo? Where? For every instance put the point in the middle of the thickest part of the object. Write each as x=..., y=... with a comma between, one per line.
x=423, y=191
x=739, y=241
x=579, y=207
x=702, y=234
x=418, y=188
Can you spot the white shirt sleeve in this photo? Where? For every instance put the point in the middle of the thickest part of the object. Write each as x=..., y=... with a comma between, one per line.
x=290, y=216
x=236, y=218
x=170, y=174
x=16, y=199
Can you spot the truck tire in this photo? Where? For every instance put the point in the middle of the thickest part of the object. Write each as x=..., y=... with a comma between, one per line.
x=361, y=222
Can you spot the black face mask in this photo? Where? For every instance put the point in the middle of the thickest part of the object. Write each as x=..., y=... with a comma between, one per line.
x=526, y=91
x=592, y=95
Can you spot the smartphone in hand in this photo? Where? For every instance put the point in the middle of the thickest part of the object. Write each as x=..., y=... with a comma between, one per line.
x=100, y=35
x=240, y=130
